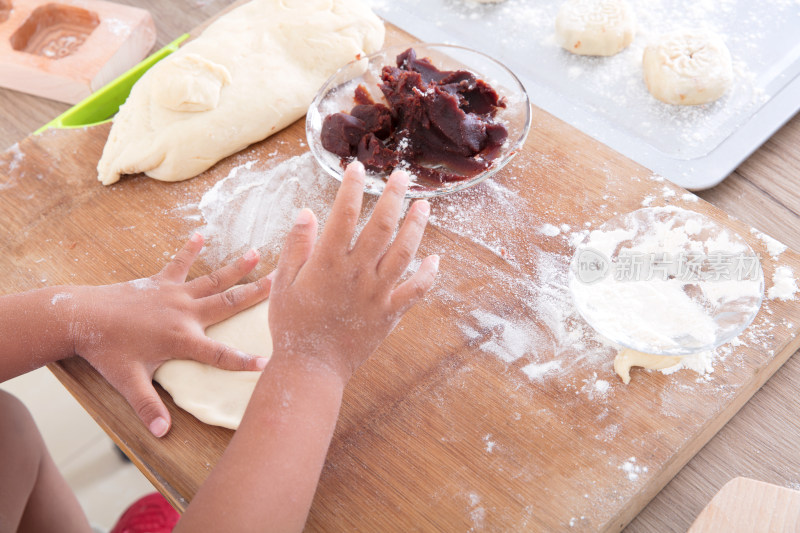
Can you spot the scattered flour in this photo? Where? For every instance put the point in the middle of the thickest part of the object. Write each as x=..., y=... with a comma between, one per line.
x=536, y=371
x=544, y=315
x=507, y=340
x=60, y=297
x=774, y=246
x=690, y=197
x=143, y=284
x=700, y=362
x=784, y=285
x=544, y=332
x=550, y=230
x=490, y=444
x=17, y=156
x=476, y=511
x=667, y=192
x=632, y=469
x=256, y=209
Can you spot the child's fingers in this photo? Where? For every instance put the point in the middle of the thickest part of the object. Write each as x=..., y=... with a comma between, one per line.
x=218, y=307
x=341, y=224
x=377, y=234
x=177, y=269
x=222, y=356
x=414, y=288
x=297, y=249
x=137, y=388
x=404, y=248
x=225, y=277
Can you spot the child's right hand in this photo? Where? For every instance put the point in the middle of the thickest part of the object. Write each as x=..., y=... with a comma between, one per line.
x=333, y=303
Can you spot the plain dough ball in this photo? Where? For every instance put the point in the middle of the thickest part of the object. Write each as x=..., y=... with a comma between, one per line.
x=214, y=396
x=595, y=27
x=687, y=67
x=251, y=73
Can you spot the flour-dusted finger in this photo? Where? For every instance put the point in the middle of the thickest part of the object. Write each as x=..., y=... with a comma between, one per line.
x=177, y=269
x=224, y=278
x=378, y=232
x=414, y=288
x=341, y=224
x=218, y=307
x=297, y=249
x=404, y=248
x=222, y=356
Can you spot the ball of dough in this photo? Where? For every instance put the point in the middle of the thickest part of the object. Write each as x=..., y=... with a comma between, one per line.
x=687, y=67
x=595, y=27
x=215, y=396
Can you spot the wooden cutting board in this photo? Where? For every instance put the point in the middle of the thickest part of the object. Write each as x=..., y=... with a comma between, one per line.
x=749, y=506
x=441, y=429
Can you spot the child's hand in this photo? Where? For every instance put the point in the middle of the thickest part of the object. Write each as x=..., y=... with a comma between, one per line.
x=128, y=329
x=333, y=303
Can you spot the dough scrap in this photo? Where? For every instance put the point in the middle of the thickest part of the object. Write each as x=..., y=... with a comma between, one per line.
x=595, y=27
x=214, y=396
x=687, y=67
x=251, y=73
x=192, y=84
x=628, y=358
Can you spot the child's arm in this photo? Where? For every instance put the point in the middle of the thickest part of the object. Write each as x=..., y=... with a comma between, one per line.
x=331, y=306
x=127, y=330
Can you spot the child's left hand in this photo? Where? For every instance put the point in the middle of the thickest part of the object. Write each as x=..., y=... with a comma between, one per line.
x=127, y=330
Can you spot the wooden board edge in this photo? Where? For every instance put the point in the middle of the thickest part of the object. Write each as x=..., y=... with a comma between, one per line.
x=88, y=402
x=682, y=456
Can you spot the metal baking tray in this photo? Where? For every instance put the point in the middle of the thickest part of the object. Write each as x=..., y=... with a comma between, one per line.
x=696, y=147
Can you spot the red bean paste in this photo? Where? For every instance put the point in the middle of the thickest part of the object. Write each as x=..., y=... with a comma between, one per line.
x=438, y=124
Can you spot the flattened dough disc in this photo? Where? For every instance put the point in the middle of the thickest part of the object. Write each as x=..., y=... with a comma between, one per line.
x=214, y=396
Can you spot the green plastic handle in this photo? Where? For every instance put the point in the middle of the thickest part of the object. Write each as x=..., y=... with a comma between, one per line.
x=103, y=104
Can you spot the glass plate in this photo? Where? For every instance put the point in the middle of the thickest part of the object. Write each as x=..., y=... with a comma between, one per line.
x=336, y=95
x=666, y=281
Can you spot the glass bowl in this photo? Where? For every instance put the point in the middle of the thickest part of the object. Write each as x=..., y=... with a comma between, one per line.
x=336, y=95
x=666, y=281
